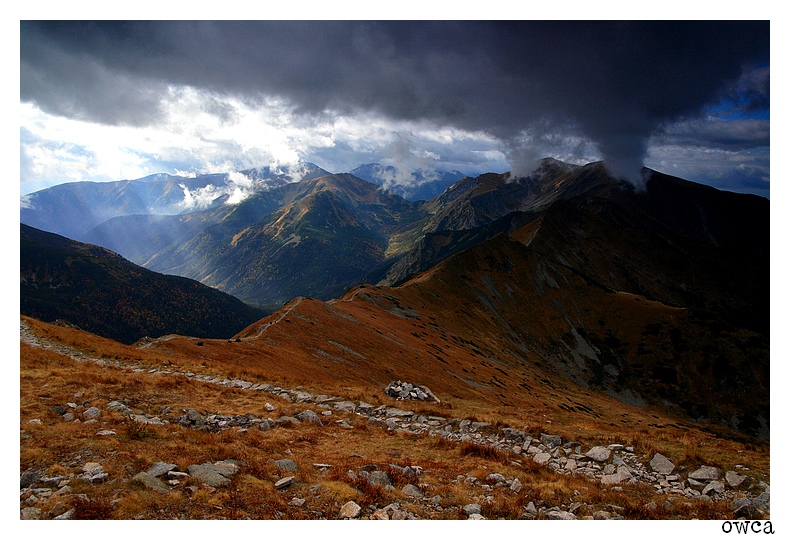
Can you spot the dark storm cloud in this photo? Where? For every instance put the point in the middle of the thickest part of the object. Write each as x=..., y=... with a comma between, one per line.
x=612, y=82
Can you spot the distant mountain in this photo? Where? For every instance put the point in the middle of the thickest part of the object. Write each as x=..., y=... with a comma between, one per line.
x=99, y=291
x=419, y=185
x=74, y=209
x=316, y=237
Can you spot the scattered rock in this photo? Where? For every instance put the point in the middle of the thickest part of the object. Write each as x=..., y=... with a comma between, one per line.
x=309, y=416
x=151, y=482
x=286, y=465
x=560, y=514
x=661, y=464
x=410, y=490
x=551, y=441
x=598, y=453
x=346, y=406
x=215, y=475
x=715, y=486
x=284, y=482
x=69, y=514
x=159, y=468
x=705, y=473
x=93, y=473
x=735, y=480
x=472, y=508
x=92, y=413
x=27, y=479
x=32, y=512
x=380, y=478
x=350, y=510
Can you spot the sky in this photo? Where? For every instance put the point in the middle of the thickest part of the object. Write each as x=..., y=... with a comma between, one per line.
x=107, y=101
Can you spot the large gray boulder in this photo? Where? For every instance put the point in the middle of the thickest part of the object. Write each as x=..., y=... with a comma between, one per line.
x=215, y=475
x=705, y=473
x=151, y=482
x=598, y=453
x=309, y=416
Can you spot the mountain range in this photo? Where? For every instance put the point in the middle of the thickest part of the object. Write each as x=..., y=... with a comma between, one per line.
x=656, y=294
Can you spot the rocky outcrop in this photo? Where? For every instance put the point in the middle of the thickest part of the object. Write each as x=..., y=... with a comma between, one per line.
x=404, y=390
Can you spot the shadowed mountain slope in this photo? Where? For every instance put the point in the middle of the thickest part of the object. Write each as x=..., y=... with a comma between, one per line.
x=507, y=324
x=101, y=292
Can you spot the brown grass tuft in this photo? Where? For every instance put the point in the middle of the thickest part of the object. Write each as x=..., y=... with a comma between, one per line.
x=91, y=509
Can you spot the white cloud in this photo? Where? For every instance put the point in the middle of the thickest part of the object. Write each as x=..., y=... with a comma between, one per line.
x=200, y=132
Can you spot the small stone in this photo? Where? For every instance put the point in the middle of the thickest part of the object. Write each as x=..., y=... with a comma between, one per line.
x=68, y=417
x=742, y=507
x=106, y=433
x=735, y=480
x=515, y=486
x=309, y=416
x=346, y=406
x=560, y=514
x=32, y=513
x=541, y=458
x=284, y=482
x=92, y=413
x=380, y=478
x=159, y=468
x=27, y=479
x=350, y=510
x=472, y=508
x=715, y=486
x=410, y=490
x=286, y=465
x=69, y=514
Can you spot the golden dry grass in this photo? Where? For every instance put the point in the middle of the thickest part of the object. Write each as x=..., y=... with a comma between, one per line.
x=57, y=447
